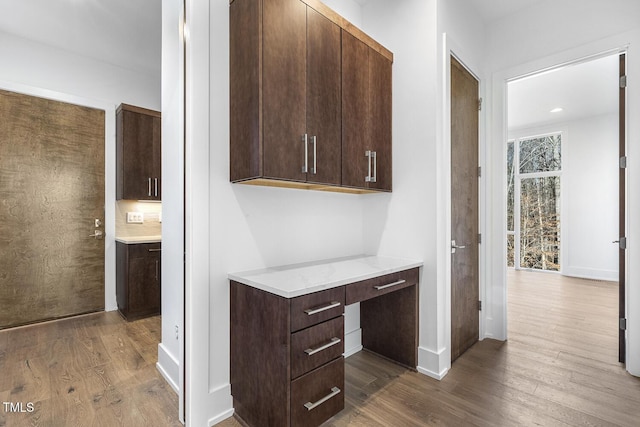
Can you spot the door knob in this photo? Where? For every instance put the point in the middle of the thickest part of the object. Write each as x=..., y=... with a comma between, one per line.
x=454, y=247
x=98, y=234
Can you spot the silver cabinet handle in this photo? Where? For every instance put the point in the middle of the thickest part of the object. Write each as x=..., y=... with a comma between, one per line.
x=305, y=167
x=154, y=250
x=149, y=193
x=155, y=180
x=312, y=351
x=368, y=177
x=332, y=304
x=374, y=156
x=314, y=139
x=381, y=287
x=334, y=392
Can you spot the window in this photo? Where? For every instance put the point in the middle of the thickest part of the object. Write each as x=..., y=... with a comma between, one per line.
x=533, y=202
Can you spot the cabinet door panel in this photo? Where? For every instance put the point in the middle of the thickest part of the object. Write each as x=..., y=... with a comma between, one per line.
x=138, y=146
x=380, y=118
x=283, y=85
x=144, y=278
x=355, y=111
x=156, y=158
x=323, y=98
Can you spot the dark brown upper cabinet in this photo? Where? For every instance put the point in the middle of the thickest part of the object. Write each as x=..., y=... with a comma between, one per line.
x=285, y=120
x=138, y=153
x=286, y=100
x=366, y=116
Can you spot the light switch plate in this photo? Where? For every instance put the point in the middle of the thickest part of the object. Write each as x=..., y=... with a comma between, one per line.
x=135, y=218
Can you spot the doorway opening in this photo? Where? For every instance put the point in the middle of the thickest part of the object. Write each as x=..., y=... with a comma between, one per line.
x=563, y=208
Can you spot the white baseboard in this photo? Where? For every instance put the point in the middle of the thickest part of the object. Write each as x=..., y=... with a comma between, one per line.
x=352, y=342
x=433, y=364
x=221, y=417
x=591, y=273
x=169, y=367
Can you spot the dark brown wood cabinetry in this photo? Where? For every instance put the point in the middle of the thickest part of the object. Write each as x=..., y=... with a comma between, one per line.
x=138, y=279
x=366, y=116
x=286, y=96
x=285, y=121
x=138, y=153
x=287, y=367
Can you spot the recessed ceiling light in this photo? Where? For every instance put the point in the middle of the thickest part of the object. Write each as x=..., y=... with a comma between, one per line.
x=556, y=110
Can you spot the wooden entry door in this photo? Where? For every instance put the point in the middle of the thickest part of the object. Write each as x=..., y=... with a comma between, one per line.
x=51, y=194
x=464, y=210
x=622, y=339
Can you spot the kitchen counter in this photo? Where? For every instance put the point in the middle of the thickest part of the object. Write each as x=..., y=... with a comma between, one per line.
x=133, y=240
x=300, y=279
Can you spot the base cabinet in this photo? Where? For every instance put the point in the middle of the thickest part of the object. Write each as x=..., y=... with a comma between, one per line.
x=138, y=279
x=287, y=364
x=287, y=367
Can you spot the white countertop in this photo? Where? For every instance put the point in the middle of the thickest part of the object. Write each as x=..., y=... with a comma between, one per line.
x=132, y=240
x=300, y=279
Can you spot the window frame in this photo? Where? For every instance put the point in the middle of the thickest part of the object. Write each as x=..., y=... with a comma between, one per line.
x=517, y=186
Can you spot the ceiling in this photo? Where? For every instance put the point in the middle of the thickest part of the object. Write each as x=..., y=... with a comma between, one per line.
x=582, y=90
x=122, y=32
x=492, y=10
x=128, y=33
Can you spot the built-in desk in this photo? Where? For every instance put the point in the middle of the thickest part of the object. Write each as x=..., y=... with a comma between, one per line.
x=287, y=333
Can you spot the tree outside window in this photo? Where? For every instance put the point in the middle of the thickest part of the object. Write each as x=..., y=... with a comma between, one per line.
x=533, y=196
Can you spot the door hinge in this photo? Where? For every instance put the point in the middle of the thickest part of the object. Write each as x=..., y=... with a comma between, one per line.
x=479, y=238
x=623, y=82
x=479, y=305
x=479, y=171
x=623, y=162
x=623, y=324
x=480, y=104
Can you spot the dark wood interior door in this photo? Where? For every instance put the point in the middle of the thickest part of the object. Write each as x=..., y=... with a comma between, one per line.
x=464, y=210
x=284, y=88
x=52, y=187
x=324, y=112
x=622, y=340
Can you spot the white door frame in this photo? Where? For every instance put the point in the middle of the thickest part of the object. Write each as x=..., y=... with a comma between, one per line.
x=496, y=263
x=451, y=48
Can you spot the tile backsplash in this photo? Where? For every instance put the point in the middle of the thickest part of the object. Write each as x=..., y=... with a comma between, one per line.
x=152, y=212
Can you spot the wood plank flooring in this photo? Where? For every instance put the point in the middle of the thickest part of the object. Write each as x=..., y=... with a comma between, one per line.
x=92, y=370
x=558, y=368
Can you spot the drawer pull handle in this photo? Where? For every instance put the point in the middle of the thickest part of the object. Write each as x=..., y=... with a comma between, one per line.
x=312, y=311
x=334, y=392
x=381, y=287
x=312, y=351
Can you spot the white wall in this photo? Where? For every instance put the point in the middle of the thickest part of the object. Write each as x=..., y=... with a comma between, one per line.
x=590, y=180
x=233, y=227
x=553, y=33
x=40, y=70
x=170, y=350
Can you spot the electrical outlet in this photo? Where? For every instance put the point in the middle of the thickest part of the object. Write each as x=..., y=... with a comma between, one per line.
x=135, y=218
x=177, y=332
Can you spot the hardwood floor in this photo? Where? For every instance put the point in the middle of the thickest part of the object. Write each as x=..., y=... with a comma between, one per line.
x=558, y=368
x=92, y=370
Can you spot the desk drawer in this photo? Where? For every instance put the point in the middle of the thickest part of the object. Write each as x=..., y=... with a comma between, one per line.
x=318, y=395
x=317, y=345
x=371, y=288
x=309, y=310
